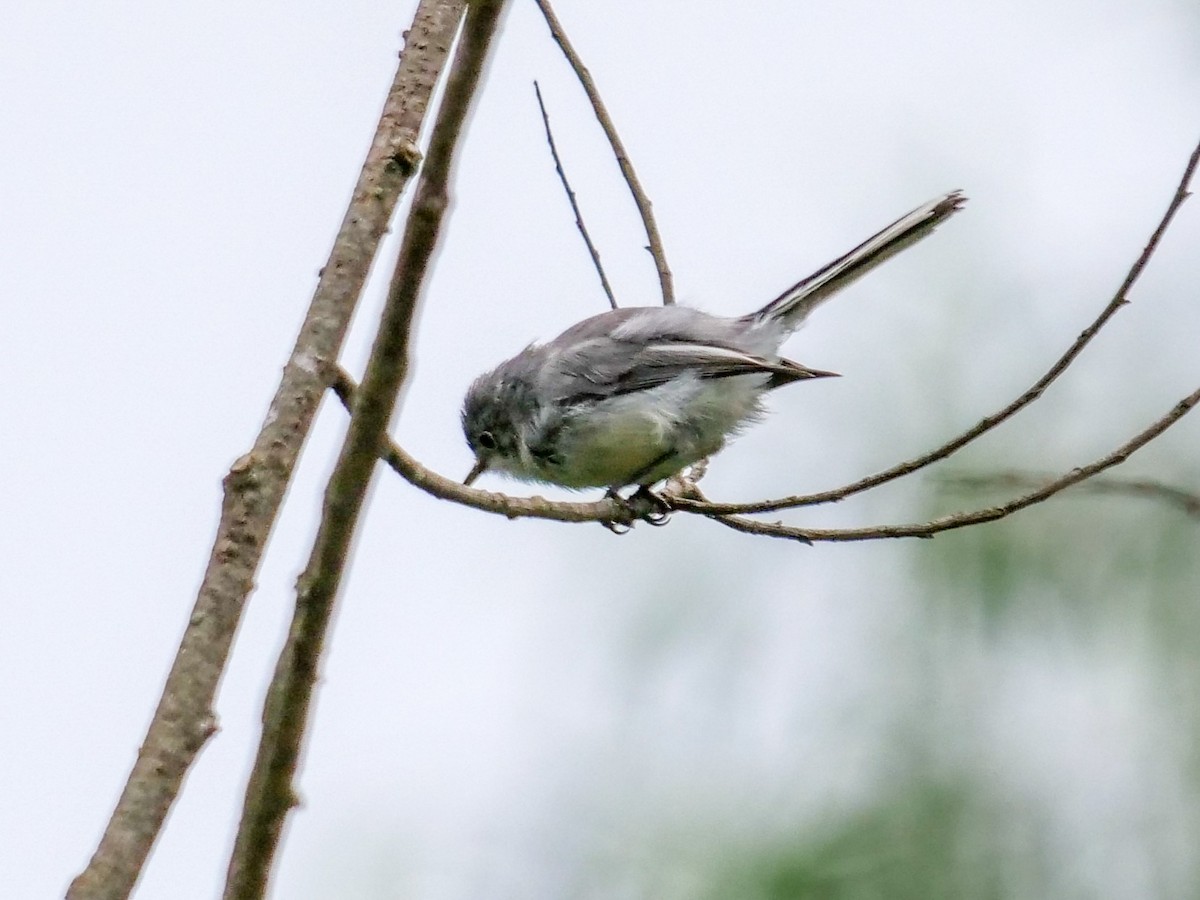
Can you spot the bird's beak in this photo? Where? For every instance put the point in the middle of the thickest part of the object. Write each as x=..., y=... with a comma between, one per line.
x=476, y=470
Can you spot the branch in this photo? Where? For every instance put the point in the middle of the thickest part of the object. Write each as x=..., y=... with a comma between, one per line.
x=270, y=794
x=562, y=176
x=975, y=517
x=644, y=206
x=256, y=483
x=444, y=488
x=684, y=489
x=990, y=422
x=1145, y=488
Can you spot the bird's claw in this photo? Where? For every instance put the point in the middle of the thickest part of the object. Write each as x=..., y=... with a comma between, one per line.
x=658, y=511
x=642, y=505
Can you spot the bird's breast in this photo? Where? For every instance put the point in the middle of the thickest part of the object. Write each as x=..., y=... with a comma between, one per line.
x=612, y=443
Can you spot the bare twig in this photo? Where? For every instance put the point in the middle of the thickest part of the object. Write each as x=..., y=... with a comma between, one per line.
x=645, y=208
x=255, y=485
x=975, y=517
x=269, y=794
x=1145, y=488
x=562, y=176
x=990, y=422
x=445, y=488
x=680, y=488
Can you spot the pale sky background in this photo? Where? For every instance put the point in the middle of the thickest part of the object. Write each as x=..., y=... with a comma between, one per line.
x=533, y=710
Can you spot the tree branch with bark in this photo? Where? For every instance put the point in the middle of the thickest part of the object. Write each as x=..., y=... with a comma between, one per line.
x=257, y=482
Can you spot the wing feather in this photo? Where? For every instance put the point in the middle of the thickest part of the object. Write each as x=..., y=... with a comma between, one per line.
x=613, y=367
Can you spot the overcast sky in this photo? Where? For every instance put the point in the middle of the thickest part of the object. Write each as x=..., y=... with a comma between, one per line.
x=171, y=181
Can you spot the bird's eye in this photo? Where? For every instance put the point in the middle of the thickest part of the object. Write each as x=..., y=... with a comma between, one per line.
x=487, y=440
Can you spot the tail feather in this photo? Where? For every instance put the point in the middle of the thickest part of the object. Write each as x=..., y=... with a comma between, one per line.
x=800, y=299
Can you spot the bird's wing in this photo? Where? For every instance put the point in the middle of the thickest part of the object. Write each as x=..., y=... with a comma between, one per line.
x=610, y=367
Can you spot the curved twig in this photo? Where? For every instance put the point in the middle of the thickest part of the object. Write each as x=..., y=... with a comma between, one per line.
x=644, y=206
x=609, y=511
x=408, y=468
x=984, y=425
x=562, y=176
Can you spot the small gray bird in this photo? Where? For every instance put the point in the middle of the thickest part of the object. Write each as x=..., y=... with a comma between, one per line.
x=633, y=396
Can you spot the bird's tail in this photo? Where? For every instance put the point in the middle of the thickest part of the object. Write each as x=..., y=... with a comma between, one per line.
x=794, y=304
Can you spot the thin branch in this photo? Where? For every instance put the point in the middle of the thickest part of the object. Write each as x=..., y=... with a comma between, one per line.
x=562, y=176
x=990, y=422
x=686, y=497
x=608, y=510
x=645, y=208
x=1144, y=488
x=445, y=488
x=975, y=517
x=270, y=793
x=255, y=485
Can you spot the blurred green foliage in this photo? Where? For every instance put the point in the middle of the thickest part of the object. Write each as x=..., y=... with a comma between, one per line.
x=926, y=841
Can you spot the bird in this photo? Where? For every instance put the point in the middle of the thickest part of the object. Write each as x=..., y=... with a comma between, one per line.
x=633, y=396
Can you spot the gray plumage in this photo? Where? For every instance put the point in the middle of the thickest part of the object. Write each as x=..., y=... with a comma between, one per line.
x=633, y=396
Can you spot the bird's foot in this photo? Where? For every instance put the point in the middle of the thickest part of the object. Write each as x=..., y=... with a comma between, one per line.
x=642, y=505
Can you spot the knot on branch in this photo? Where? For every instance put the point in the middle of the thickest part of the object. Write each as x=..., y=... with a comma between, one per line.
x=405, y=158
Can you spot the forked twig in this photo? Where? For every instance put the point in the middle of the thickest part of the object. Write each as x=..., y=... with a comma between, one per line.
x=645, y=208
x=562, y=176
x=975, y=517
x=690, y=501
x=412, y=471
x=990, y=422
